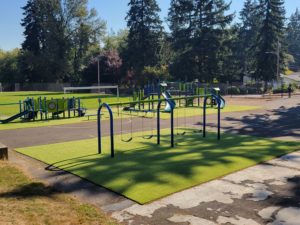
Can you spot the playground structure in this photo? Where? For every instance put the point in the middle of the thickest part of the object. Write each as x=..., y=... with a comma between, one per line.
x=170, y=104
x=43, y=109
x=186, y=93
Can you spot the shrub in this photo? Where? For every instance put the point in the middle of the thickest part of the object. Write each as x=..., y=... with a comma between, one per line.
x=284, y=89
x=233, y=90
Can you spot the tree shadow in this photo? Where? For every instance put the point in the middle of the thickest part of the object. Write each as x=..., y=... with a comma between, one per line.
x=281, y=122
x=285, y=196
x=34, y=189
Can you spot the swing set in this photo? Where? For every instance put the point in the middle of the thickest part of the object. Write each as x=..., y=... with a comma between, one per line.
x=219, y=101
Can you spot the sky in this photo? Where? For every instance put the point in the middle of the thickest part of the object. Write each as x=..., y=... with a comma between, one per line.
x=112, y=11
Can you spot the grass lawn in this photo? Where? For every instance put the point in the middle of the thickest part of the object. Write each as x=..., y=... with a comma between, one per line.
x=143, y=171
x=89, y=101
x=25, y=201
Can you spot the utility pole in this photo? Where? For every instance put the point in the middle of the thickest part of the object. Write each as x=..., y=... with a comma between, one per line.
x=278, y=59
x=98, y=59
x=278, y=67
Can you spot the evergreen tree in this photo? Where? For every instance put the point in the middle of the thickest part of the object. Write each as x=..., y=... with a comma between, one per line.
x=269, y=38
x=293, y=39
x=43, y=56
x=231, y=57
x=181, y=20
x=199, y=31
x=248, y=33
x=145, y=32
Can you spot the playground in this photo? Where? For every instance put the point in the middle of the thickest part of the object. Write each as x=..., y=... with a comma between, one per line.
x=164, y=143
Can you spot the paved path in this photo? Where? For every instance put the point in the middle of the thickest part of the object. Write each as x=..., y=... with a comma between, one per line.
x=263, y=194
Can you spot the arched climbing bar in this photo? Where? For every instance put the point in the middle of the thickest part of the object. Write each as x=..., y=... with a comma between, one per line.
x=112, y=153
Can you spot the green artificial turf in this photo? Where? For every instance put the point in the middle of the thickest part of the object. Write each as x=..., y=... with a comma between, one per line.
x=144, y=171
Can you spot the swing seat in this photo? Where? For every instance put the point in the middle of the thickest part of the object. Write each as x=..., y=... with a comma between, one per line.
x=148, y=137
x=182, y=134
x=197, y=131
x=127, y=140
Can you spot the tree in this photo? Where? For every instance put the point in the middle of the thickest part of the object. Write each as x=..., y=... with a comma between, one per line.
x=181, y=23
x=44, y=42
x=198, y=32
x=110, y=68
x=83, y=30
x=9, y=66
x=231, y=57
x=60, y=37
x=145, y=32
x=269, y=38
x=293, y=39
x=247, y=36
x=116, y=41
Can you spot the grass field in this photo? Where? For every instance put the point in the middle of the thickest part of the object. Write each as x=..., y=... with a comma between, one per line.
x=89, y=101
x=25, y=201
x=143, y=171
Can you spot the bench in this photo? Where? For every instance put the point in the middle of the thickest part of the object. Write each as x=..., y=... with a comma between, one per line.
x=3, y=152
x=90, y=115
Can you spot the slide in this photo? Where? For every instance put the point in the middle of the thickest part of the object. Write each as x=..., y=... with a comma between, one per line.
x=169, y=99
x=15, y=117
x=219, y=98
x=222, y=105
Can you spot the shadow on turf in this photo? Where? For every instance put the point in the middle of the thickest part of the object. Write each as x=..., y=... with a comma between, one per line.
x=53, y=167
x=151, y=163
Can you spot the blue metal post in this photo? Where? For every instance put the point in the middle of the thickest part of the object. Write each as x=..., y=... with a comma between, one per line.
x=158, y=122
x=33, y=109
x=219, y=115
x=172, y=127
x=111, y=129
x=57, y=108
x=171, y=122
x=74, y=106
x=99, y=130
x=204, y=116
x=46, y=108
x=219, y=120
x=40, y=107
x=64, y=113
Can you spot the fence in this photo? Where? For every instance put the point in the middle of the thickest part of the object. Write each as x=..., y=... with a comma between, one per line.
x=226, y=88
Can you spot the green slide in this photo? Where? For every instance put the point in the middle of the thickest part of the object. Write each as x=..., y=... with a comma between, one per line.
x=24, y=113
